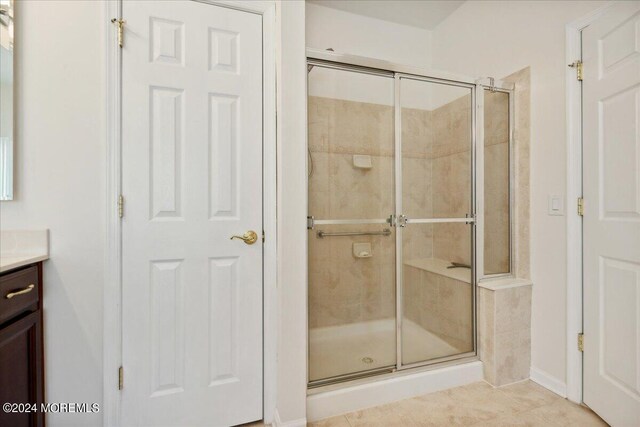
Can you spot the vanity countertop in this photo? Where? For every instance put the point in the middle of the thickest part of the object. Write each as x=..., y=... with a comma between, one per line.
x=22, y=247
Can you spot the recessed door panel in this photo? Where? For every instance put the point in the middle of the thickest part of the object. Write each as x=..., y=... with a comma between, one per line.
x=167, y=136
x=619, y=144
x=167, y=327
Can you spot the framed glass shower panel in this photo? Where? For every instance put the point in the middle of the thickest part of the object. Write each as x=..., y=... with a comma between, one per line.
x=351, y=260
x=497, y=188
x=350, y=144
x=435, y=236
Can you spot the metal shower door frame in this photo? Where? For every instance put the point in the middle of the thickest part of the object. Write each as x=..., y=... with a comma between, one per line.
x=398, y=72
x=400, y=230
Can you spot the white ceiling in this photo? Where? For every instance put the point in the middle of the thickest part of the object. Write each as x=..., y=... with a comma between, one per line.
x=426, y=14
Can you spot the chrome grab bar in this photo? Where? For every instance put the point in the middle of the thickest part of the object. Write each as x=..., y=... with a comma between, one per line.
x=385, y=232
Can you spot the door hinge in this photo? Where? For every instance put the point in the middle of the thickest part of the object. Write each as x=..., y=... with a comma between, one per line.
x=579, y=68
x=263, y=237
x=120, y=378
x=120, y=206
x=120, y=23
x=581, y=342
x=580, y=206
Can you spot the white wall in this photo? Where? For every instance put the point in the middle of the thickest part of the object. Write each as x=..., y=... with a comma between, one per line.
x=292, y=212
x=496, y=38
x=369, y=37
x=360, y=35
x=60, y=185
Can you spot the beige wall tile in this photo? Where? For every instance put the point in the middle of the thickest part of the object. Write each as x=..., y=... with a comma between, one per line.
x=417, y=133
x=512, y=356
x=344, y=289
x=451, y=124
x=505, y=334
x=496, y=211
x=514, y=309
x=452, y=242
x=319, y=179
x=486, y=333
x=522, y=138
x=417, y=187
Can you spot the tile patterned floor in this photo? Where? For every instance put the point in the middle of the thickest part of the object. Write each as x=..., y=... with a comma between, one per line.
x=477, y=404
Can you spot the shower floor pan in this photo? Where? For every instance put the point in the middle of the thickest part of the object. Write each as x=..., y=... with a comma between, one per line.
x=364, y=346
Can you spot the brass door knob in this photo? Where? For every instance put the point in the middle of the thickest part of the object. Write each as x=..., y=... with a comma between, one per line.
x=250, y=237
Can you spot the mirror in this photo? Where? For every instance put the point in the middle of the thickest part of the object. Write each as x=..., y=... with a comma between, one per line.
x=6, y=99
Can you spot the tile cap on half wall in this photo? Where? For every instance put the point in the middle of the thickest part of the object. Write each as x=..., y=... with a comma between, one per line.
x=503, y=283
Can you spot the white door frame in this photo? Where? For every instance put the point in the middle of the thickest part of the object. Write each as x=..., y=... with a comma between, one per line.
x=112, y=306
x=574, y=190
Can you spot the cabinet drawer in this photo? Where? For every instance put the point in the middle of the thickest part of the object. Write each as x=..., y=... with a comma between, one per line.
x=19, y=292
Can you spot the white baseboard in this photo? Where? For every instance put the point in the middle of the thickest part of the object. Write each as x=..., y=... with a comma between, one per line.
x=549, y=382
x=347, y=399
x=277, y=422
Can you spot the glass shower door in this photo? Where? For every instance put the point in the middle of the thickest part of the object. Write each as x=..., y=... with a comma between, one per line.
x=351, y=264
x=435, y=234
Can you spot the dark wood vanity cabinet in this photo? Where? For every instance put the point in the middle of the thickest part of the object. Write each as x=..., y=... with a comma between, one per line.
x=21, y=346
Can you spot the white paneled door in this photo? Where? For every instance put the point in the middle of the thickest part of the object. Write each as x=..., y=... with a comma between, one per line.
x=611, y=171
x=192, y=178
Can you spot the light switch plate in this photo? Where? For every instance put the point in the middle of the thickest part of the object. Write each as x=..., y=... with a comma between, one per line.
x=556, y=205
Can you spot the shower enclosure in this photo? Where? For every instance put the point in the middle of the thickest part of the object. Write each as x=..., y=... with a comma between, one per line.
x=392, y=218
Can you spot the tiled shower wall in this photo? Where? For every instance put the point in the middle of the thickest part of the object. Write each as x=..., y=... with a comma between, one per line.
x=436, y=183
x=451, y=153
x=440, y=304
x=344, y=289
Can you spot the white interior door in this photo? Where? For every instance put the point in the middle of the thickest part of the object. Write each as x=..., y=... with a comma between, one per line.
x=611, y=138
x=192, y=178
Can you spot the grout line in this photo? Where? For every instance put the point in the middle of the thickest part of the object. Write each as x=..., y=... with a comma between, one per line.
x=348, y=422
